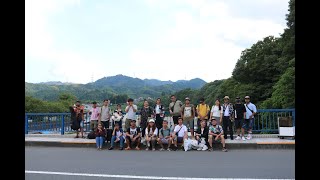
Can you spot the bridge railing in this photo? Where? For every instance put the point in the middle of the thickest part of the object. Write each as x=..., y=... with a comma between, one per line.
x=266, y=121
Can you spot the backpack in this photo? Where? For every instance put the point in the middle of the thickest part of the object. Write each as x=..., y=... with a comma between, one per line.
x=91, y=135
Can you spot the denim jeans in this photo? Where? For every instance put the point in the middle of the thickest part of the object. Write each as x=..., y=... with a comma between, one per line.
x=114, y=138
x=99, y=141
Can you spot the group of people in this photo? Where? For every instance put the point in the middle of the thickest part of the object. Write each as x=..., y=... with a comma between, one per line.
x=213, y=124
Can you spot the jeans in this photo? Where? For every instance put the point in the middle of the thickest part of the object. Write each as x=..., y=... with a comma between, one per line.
x=99, y=141
x=114, y=138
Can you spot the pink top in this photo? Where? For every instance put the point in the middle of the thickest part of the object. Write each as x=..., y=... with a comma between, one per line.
x=95, y=112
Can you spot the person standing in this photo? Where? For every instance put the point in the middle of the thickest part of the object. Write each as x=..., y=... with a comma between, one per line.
x=187, y=114
x=202, y=110
x=239, y=114
x=131, y=110
x=251, y=110
x=117, y=116
x=146, y=113
x=105, y=114
x=159, y=113
x=216, y=112
x=79, y=111
x=175, y=109
x=227, y=117
x=95, y=114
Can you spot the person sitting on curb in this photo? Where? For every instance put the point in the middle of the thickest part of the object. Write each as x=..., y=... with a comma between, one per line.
x=117, y=135
x=165, y=136
x=133, y=135
x=100, y=136
x=151, y=134
x=179, y=134
x=216, y=134
x=202, y=132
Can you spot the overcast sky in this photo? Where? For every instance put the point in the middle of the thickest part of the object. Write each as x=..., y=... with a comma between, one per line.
x=83, y=40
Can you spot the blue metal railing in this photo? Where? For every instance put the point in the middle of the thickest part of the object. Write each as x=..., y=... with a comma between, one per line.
x=266, y=121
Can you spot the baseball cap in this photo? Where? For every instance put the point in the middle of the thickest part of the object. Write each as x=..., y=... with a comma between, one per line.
x=247, y=97
x=237, y=97
x=151, y=120
x=187, y=98
x=226, y=97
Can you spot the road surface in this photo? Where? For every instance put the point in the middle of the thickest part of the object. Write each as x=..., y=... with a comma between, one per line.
x=64, y=163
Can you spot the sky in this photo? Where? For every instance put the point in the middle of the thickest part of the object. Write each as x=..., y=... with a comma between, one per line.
x=81, y=41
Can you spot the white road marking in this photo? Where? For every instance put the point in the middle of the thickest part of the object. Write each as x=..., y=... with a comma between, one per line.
x=137, y=177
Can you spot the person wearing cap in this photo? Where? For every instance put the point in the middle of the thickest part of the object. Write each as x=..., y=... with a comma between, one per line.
x=216, y=134
x=151, y=134
x=227, y=117
x=217, y=112
x=180, y=133
x=131, y=110
x=133, y=136
x=187, y=114
x=239, y=114
x=202, y=110
x=175, y=109
x=165, y=136
x=251, y=110
x=95, y=115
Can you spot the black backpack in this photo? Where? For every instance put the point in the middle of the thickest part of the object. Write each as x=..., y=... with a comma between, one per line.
x=91, y=135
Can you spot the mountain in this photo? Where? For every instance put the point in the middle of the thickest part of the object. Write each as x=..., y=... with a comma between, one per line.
x=110, y=86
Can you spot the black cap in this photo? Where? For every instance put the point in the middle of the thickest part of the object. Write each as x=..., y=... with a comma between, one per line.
x=94, y=102
x=237, y=97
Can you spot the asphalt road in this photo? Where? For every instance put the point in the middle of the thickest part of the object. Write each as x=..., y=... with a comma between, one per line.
x=91, y=164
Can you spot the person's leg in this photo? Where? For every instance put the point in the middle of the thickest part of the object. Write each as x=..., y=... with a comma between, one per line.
x=231, y=129
x=120, y=123
x=138, y=140
x=92, y=125
x=250, y=128
x=97, y=142
x=191, y=125
x=210, y=141
x=112, y=141
x=224, y=126
x=95, y=124
x=160, y=143
x=148, y=142
x=121, y=141
x=128, y=142
x=169, y=143
x=101, y=139
x=127, y=124
x=223, y=143
x=153, y=143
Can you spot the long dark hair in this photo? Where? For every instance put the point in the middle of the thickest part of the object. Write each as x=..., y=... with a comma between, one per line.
x=153, y=127
x=219, y=104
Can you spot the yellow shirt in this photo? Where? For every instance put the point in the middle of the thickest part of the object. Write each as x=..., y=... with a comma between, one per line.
x=203, y=110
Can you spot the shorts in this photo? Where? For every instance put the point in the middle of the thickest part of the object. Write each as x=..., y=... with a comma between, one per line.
x=132, y=142
x=213, y=138
x=239, y=123
x=164, y=141
x=189, y=123
x=175, y=119
x=179, y=139
x=249, y=123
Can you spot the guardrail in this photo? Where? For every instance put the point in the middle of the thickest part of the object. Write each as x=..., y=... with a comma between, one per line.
x=265, y=121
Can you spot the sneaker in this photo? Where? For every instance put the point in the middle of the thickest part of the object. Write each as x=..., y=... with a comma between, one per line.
x=224, y=150
x=205, y=148
x=238, y=137
x=199, y=149
x=110, y=148
x=161, y=149
x=153, y=149
x=249, y=137
x=121, y=148
x=243, y=138
x=147, y=149
x=169, y=149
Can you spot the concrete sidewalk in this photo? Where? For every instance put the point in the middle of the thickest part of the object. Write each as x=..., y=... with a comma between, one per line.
x=259, y=141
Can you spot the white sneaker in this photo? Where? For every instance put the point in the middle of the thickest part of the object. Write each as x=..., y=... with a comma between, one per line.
x=238, y=138
x=205, y=148
x=243, y=139
x=199, y=149
x=249, y=137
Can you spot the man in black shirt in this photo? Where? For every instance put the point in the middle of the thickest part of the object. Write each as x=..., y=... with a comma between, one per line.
x=133, y=135
x=240, y=113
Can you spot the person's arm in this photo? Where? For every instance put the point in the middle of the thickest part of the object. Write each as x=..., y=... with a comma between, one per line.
x=208, y=110
x=114, y=132
x=185, y=133
x=127, y=109
x=211, y=113
x=155, y=133
x=160, y=134
x=193, y=110
x=182, y=111
x=198, y=112
x=127, y=133
x=134, y=107
x=170, y=108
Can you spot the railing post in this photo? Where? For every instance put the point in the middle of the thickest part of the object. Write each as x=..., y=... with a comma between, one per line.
x=26, y=125
x=294, y=117
x=62, y=125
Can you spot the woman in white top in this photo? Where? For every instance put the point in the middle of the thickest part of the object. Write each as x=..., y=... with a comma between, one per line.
x=216, y=112
x=151, y=134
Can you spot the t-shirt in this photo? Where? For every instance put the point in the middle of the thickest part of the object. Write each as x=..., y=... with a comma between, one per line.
x=182, y=130
x=216, y=130
x=215, y=111
x=105, y=114
x=165, y=132
x=151, y=132
x=188, y=113
x=146, y=112
x=203, y=108
x=239, y=109
x=94, y=113
x=176, y=108
x=131, y=114
x=133, y=131
x=119, y=132
x=157, y=109
x=252, y=107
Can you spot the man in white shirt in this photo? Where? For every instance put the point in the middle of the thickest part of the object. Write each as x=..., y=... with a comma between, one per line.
x=131, y=110
x=180, y=133
x=251, y=110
